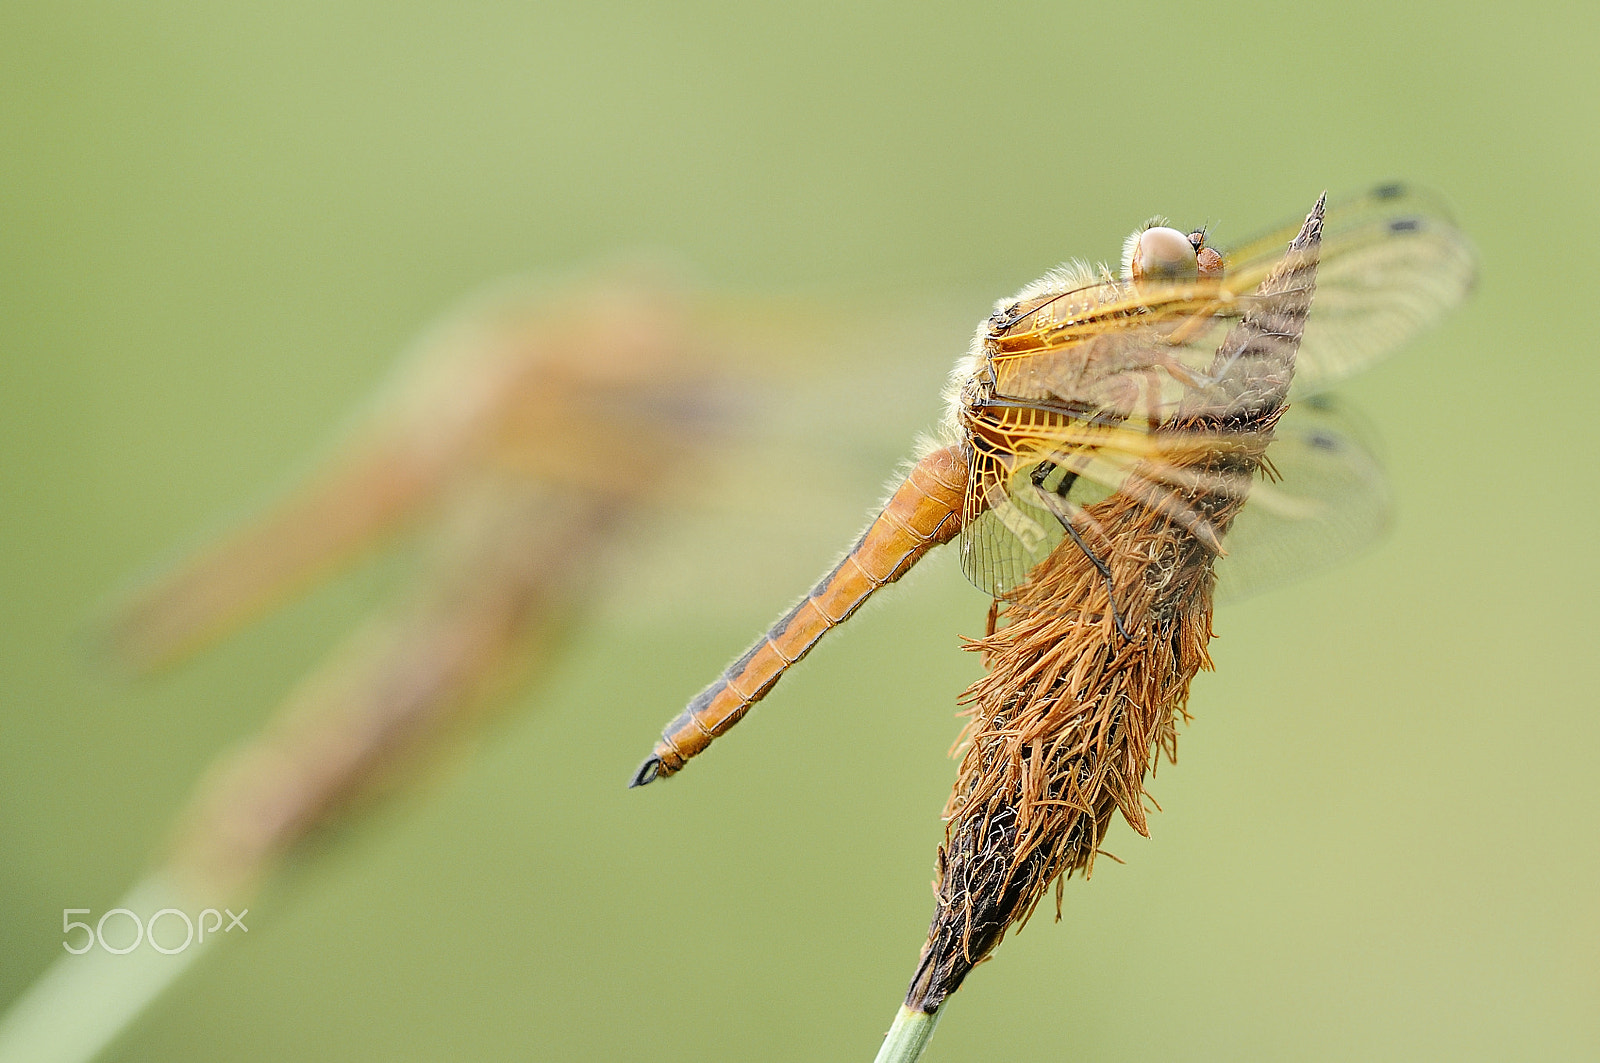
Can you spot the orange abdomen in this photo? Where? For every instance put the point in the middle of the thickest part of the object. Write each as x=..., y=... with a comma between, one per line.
x=924, y=512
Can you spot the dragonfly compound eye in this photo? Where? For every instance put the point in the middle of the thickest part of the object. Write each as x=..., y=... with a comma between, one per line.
x=1160, y=253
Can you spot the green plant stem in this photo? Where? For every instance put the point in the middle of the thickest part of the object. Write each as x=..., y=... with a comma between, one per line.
x=82, y=1003
x=909, y=1036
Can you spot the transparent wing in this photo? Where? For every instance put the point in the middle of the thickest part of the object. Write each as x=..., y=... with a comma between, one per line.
x=1328, y=501
x=1019, y=503
x=1320, y=497
x=1005, y=531
x=1090, y=378
x=1392, y=264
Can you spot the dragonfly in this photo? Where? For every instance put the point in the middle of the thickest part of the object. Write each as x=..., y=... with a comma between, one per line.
x=492, y=449
x=486, y=449
x=1120, y=448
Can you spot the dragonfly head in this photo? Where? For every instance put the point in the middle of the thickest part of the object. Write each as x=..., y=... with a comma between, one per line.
x=1161, y=253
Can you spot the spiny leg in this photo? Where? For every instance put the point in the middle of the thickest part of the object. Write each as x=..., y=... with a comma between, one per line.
x=1054, y=501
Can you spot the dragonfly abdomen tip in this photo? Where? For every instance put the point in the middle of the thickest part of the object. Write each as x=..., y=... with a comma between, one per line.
x=648, y=772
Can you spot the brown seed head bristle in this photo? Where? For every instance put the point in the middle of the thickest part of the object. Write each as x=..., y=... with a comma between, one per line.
x=1062, y=730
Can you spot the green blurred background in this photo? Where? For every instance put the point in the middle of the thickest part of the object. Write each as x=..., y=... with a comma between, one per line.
x=219, y=225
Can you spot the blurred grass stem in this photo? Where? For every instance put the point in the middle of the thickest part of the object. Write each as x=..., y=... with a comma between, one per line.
x=82, y=1003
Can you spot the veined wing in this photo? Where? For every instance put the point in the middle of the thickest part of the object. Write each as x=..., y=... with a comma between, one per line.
x=1161, y=391
x=1327, y=499
x=1392, y=263
x=1009, y=526
x=1320, y=497
x=1086, y=382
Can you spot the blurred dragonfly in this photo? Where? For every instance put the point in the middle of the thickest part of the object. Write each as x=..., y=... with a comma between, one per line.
x=499, y=443
x=1104, y=434
x=498, y=440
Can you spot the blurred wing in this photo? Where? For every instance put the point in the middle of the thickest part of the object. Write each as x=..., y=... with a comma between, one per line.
x=1392, y=264
x=357, y=497
x=1329, y=500
x=515, y=380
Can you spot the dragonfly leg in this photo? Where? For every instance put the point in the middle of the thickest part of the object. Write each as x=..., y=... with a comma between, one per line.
x=1055, y=502
x=923, y=512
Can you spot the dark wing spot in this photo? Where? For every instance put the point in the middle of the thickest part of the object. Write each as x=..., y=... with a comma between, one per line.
x=1405, y=225
x=1322, y=442
x=1389, y=191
